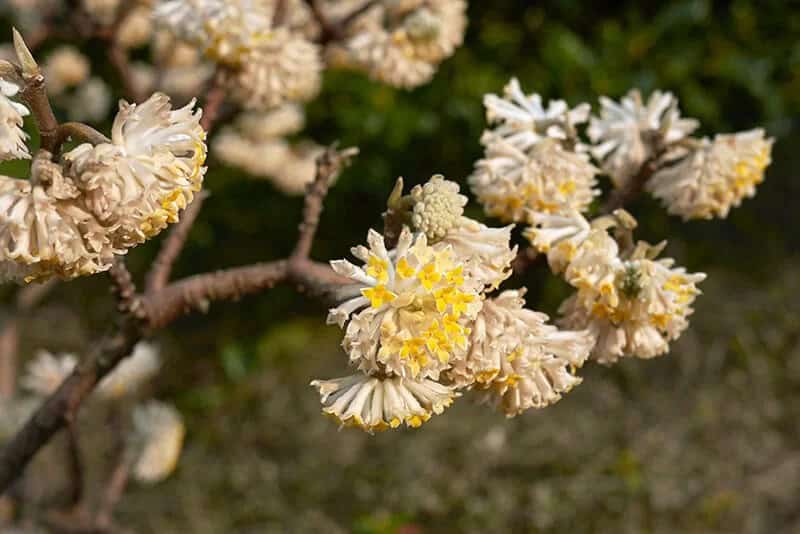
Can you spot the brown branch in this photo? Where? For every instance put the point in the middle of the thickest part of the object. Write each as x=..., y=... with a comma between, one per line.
x=118, y=479
x=34, y=93
x=197, y=292
x=329, y=164
x=526, y=258
x=279, y=15
x=159, y=273
x=113, y=494
x=335, y=31
x=212, y=107
x=74, y=465
x=78, y=130
x=623, y=196
x=62, y=406
x=122, y=286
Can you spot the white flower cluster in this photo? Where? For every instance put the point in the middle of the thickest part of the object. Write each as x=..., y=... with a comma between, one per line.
x=535, y=161
x=716, y=175
x=155, y=439
x=421, y=325
x=531, y=162
x=12, y=116
x=257, y=144
x=264, y=64
x=631, y=303
x=402, y=43
x=97, y=201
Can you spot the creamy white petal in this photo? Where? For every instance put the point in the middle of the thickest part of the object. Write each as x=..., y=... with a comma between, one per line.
x=372, y=403
x=158, y=441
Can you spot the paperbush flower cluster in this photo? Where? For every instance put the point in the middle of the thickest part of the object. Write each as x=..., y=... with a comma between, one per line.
x=536, y=162
x=424, y=322
x=81, y=209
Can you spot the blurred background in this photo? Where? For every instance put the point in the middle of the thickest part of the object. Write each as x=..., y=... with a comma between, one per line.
x=704, y=439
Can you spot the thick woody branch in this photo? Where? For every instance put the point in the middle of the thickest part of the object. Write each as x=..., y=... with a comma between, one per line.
x=197, y=292
x=623, y=196
x=62, y=406
x=161, y=269
x=329, y=165
x=34, y=93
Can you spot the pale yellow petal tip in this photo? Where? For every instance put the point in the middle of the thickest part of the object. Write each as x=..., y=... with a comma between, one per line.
x=24, y=55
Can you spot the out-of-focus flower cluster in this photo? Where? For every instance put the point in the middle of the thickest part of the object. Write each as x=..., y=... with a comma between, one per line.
x=257, y=143
x=154, y=435
x=422, y=321
x=401, y=43
x=93, y=202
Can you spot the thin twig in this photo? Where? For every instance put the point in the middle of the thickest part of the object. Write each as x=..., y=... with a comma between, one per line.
x=329, y=164
x=78, y=130
x=74, y=464
x=215, y=98
x=118, y=479
x=160, y=271
x=34, y=93
x=122, y=286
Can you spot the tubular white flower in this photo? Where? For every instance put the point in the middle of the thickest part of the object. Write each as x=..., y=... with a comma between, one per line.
x=522, y=120
x=413, y=305
x=558, y=236
x=285, y=120
x=517, y=360
x=131, y=373
x=403, y=47
x=438, y=207
x=632, y=307
x=46, y=372
x=487, y=253
x=44, y=229
x=627, y=133
x=374, y=404
x=290, y=168
x=548, y=178
x=714, y=177
x=12, y=137
x=138, y=183
x=158, y=440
